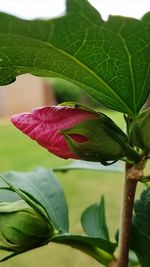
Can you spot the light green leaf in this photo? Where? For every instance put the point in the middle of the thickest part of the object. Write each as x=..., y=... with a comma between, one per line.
x=94, y=222
x=109, y=60
x=6, y=195
x=94, y=166
x=41, y=186
x=100, y=249
x=141, y=229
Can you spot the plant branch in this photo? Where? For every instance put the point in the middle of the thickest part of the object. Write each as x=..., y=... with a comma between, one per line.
x=132, y=175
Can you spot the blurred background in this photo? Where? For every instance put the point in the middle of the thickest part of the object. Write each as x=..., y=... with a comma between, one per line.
x=20, y=153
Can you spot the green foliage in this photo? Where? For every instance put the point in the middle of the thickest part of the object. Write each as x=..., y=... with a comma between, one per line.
x=106, y=59
x=29, y=187
x=141, y=229
x=94, y=222
x=22, y=227
x=42, y=187
x=102, y=250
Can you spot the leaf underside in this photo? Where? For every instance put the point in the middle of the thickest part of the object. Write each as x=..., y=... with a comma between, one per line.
x=42, y=185
x=109, y=60
x=89, y=245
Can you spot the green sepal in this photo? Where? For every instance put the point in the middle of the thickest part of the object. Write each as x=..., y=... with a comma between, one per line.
x=105, y=140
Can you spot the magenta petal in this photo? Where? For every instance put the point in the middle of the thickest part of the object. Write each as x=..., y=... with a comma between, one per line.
x=45, y=124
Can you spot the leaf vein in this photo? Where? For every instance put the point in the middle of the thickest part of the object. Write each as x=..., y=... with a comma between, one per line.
x=130, y=68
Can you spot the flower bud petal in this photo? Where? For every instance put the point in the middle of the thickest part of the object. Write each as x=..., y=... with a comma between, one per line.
x=45, y=124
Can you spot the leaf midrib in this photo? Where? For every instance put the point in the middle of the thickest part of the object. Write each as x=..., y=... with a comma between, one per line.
x=130, y=68
x=135, y=104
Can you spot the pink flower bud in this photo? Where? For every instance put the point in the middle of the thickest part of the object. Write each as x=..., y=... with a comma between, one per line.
x=46, y=123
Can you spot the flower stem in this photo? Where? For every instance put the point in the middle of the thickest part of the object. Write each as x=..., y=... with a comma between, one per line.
x=132, y=175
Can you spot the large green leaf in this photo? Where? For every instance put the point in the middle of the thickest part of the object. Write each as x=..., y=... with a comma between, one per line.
x=109, y=60
x=100, y=249
x=141, y=229
x=42, y=186
x=94, y=221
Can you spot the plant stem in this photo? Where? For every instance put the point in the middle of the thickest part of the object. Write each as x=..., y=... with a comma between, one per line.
x=132, y=175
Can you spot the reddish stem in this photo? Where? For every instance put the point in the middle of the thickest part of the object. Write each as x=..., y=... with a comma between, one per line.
x=131, y=179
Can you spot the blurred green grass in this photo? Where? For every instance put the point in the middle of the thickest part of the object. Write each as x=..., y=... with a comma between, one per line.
x=82, y=188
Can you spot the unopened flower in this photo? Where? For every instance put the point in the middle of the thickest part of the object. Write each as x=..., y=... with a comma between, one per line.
x=45, y=124
x=21, y=227
x=74, y=132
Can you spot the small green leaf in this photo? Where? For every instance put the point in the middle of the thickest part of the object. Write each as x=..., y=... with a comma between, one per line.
x=94, y=222
x=140, y=242
x=42, y=185
x=109, y=60
x=100, y=249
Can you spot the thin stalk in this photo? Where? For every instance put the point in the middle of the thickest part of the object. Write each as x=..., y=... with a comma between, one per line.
x=132, y=175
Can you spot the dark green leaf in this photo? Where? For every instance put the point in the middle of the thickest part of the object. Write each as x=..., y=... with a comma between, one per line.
x=141, y=229
x=42, y=185
x=94, y=166
x=94, y=222
x=100, y=249
x=109, y=60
